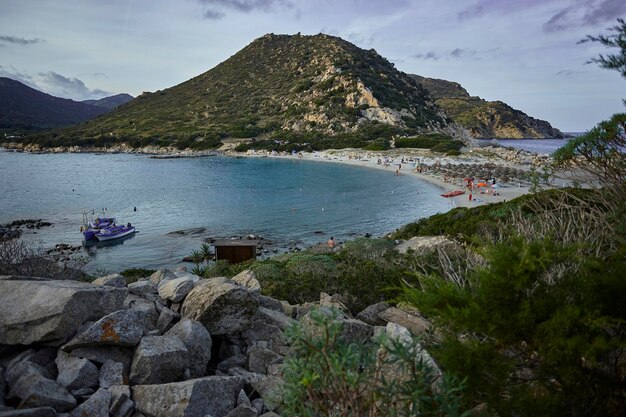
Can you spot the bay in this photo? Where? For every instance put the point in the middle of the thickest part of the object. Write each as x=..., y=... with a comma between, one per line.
x=289, y=202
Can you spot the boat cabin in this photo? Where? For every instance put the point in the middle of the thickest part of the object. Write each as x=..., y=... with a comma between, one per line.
x=235, y=251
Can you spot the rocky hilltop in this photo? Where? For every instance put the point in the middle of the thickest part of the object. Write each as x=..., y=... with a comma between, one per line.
x=485, y=119
x=168, y=345
x=297, y=86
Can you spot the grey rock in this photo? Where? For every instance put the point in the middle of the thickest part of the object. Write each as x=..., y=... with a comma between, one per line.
x=214, y=395
x=222, y=306
x=34, y=311
x=247, y=279
x=20, y=369
x=234, y=361
x=121, y=328
x=11, y=360
x=333, y=301
x=259, y=405
x=114, y=280
x=96, y=406
x=34, y=390
x=243, y=411
x=30, y=412
x=111, y=373
x=167, y=318
x=260, y=331
x=176, y=290
x=162, y=275
x=271, y=303
x=102, y=354
x=158, y=360
x=125, y=409
x=227, y=350
x=75, y=372
x=198, y=342
x=119, y=395
x=269, y=389
x=242, y=398
x=176, y=307
x=275, y=318
x=259, y=359
x=82, y=392
x=370, y=314
x=413, y=323
x=352, y=330
x=149, y=307
x=247, y=377
x=141, y=288
x=270, y=414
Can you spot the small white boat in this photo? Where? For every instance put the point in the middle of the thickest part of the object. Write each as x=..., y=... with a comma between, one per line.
x=115, y=232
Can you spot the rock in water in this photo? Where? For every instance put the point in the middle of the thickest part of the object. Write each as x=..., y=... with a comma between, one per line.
x=214, y=395
x=121, y=328
x=222, y=306
x=36, y=310
x=198, y=342
x=159, y=359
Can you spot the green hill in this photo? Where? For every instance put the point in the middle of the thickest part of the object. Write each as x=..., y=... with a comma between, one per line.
x=485, y=119
x=110, y=102
x=301, y=89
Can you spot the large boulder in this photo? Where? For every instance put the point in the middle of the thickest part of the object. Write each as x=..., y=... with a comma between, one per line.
x=142, y=287
x=198, y=342
x=247, y=279
x=161, y=276
x=121, y=328
x=415, y=324
x=175, y=290
x=159, y=359
x=269, y=388
x=34, y=311
x=215, y=396
x=35, y=390
x=111, y=374
x=222, y=306
x=370, y=314
x=102, y=354
x=113, y=280
x=259, y=358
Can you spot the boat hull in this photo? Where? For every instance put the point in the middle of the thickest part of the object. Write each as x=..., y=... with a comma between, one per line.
x=115, y=235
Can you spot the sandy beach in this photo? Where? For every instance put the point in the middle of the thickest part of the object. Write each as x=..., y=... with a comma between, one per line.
x=392, y=162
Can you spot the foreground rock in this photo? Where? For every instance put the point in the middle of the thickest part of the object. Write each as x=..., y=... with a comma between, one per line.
x=37, y=310
x=222, y=306
x=198, y=342
x=159, y=359
x=215, y=396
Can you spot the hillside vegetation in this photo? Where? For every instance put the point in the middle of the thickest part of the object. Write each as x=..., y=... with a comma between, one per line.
x=279, y=87
x=485, y=119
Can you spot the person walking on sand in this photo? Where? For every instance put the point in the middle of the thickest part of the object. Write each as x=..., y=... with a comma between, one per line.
x=331, y=243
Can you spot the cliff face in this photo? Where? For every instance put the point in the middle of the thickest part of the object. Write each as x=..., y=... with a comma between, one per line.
x=482, y=118
x=278, y=84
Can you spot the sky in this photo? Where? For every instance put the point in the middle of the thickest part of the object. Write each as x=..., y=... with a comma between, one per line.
x=523, y=52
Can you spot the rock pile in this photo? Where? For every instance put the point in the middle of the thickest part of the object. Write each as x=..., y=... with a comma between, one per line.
x=165, y=346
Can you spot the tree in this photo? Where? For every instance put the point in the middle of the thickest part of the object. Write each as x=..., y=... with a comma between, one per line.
x=617, y=39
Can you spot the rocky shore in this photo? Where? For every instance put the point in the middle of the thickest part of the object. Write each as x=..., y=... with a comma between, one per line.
x=166, y=345
x=14, y=229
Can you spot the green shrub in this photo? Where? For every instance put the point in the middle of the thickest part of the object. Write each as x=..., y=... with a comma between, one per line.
x=328, y=376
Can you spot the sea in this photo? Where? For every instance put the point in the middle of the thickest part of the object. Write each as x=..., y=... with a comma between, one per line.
x=540, y=146
x=178, y=204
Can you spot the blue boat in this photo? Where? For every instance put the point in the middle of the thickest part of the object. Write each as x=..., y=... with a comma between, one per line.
x=114, y=232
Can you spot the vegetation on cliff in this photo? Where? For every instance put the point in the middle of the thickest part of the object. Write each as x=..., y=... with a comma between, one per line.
x=279, y=87
x=485, y=119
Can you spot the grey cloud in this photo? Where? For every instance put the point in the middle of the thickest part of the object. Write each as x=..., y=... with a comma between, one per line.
x=15, y=74
x=461, y=53
x=608, y=10
x=427, y=56
x=482, y=7
x=585, y=13
x=19, y=41
x=470, y=12
x=73, y=88
x=245, y=6
x=213, y=14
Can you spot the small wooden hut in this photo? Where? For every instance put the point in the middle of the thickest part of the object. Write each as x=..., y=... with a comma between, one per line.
x=235, y=251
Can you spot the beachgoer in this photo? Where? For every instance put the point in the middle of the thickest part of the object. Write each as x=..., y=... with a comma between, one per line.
x=331, y=243
x=470, y=196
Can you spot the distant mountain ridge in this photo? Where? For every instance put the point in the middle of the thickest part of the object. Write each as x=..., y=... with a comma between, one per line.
x=482, y=118
x=24, y=108
x=111, y=102
x=301, y=89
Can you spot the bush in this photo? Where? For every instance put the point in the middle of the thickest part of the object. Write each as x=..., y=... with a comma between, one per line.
x=328, y=376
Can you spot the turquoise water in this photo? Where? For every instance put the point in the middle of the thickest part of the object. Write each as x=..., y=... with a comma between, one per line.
x=206, y=197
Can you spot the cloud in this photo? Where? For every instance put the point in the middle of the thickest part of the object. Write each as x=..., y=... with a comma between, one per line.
x=427, y=56
x=17, y=75
x=19, y=41
x=567, y=73
x=461, y=53
x=483, y=7
x=217, y=8
x=61, y=86
x=585, y=13
x=213, y=14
